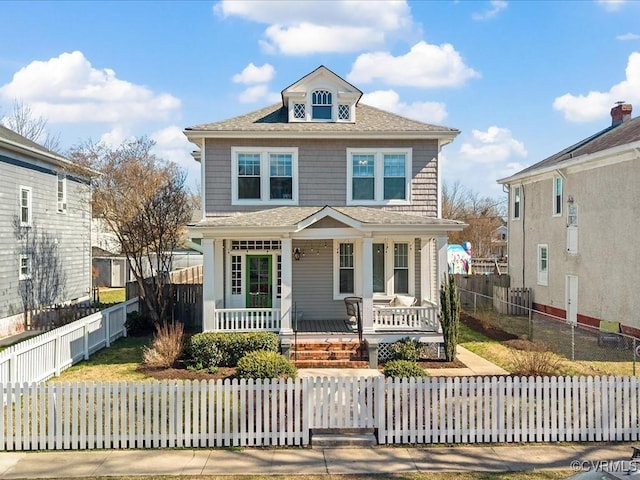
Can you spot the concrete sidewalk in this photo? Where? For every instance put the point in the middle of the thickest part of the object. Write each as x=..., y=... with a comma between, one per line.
x=300, y=461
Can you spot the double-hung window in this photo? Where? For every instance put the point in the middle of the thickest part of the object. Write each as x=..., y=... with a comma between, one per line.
x=401, y=268
x=264, y=176
x=515, y=203
x=321, y=105
x=378, y=177
x=543, y=264
x=557, y=196
x=62, y=193
x=25, y=268
x=346, y=284
x=25, y=206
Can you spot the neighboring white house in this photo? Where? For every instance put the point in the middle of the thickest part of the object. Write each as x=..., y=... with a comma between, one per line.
x=317, y=199
x=45, y=229
x=573, y=227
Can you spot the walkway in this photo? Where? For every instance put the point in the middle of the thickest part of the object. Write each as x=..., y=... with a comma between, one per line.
x=301, y=461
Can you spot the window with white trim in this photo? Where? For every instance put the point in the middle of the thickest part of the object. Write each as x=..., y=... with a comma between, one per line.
x=401, y=268
x=25, y=268
x=378, y=177
x=557, y=196
x=344, y=112
x=62, y=193
x=572, y=230
x=379, y=277
x=299, y=111
x=25, y=206
x=264, y=176
x=346, y=283
x=321, y=105
x=543, y=264
x=515, y=203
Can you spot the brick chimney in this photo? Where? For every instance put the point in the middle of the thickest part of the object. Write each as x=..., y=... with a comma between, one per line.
x=620, y=113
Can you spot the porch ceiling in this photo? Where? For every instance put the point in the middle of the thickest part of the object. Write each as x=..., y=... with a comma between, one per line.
x=291, y=220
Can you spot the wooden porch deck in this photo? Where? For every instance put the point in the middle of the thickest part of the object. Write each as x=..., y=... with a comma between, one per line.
x=324, y=326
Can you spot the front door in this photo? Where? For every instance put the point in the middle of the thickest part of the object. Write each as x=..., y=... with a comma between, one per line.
x=259, y=284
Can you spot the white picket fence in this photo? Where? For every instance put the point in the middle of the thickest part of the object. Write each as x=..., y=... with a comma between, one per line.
x=46, y=355
x=284, y=412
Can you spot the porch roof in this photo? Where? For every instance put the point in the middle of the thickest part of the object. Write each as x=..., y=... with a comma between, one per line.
x=295, y=219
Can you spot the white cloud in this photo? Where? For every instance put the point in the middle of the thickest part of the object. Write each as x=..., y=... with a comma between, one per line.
x=258, y=93
x=68, y=89
x=389, y=100
x=494, y=146
x=595, y=105
x=628, y=36
x=252, y=74
x=298, y=28
x=116, y=136
x=496, y=7
x=425, y=65
x=611, y=5
x=172, y=145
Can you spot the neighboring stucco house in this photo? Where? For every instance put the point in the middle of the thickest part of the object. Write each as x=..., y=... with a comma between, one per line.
x=45, y=229
x=316, y=199
x=573, y=227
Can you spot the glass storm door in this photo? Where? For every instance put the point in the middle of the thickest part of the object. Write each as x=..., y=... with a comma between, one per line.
x=259, y=284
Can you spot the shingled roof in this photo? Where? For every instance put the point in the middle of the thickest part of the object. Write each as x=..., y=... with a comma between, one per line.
x=274, y=119
x=293, y=216
x=612, y=136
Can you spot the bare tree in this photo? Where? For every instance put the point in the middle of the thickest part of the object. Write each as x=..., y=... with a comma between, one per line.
x=25, y=122
x=482, y=214
x=43, y=279
x=144, y=202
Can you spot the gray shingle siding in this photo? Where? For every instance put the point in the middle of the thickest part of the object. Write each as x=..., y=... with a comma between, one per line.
x=322, y=171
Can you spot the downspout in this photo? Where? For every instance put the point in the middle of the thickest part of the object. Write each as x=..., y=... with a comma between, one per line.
x=524, y=238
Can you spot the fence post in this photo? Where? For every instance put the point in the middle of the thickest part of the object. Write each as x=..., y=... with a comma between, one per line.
x=634, y=356
x=56, y=354
x=475, y=296
x=13, y=369
x=573, y=342
x=85, y=339
x=530, y=323
x=107, y=327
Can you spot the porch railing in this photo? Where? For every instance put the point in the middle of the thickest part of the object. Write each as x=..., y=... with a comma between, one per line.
x=247, y=319
x=422, y=318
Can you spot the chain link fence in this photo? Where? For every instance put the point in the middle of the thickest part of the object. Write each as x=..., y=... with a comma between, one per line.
x=576, y=342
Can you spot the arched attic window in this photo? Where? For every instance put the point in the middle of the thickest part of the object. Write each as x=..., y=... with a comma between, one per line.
x=321, y=105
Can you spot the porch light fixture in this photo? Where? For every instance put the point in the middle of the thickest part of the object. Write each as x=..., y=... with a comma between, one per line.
x=296, y=253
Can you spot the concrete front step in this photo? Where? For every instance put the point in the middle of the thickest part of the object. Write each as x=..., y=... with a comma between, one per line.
x=343, y=438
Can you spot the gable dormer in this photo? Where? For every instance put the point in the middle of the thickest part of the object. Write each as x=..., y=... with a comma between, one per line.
x=321, y=96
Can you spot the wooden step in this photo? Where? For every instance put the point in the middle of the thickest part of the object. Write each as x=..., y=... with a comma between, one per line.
x=331, y=363
x=329, y=346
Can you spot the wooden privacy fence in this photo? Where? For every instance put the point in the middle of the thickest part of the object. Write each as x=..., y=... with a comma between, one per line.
x=46, y=318
x=46, y=355
x=511, y=301
x=283, y=412
x=186, y=303
x=187, y=275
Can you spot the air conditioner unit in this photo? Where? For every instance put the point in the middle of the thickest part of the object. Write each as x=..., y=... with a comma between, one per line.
x=62, y=206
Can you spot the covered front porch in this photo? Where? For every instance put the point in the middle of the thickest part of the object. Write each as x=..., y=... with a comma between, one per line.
x=290, y=269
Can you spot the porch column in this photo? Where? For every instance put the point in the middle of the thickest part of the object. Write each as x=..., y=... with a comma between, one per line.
x=286, y=300
x=427, y=273
x=218, y=283
x=367, y=285
x=208, y=285
x=443, y=266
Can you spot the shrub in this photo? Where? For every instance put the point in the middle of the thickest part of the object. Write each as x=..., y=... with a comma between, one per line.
x=403, y=369
x=405, y=349
x=450, y=316
x=212, y=349
x=138, y=325
x=265, y=364
x=167, y=345
x=533, y=359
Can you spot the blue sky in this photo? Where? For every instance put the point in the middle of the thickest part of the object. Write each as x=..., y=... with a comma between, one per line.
x=521, y=80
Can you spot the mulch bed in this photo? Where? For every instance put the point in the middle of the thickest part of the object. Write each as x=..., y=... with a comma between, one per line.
x=223, y=373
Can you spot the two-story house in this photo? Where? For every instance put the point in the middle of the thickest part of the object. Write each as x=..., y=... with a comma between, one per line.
x=45, y=229
x=573, y=229
x=319, y=199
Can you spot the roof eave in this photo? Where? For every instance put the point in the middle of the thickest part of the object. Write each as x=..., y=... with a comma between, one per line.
x=194, y=135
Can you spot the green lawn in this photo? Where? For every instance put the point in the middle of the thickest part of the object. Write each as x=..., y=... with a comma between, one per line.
x=112, y=295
